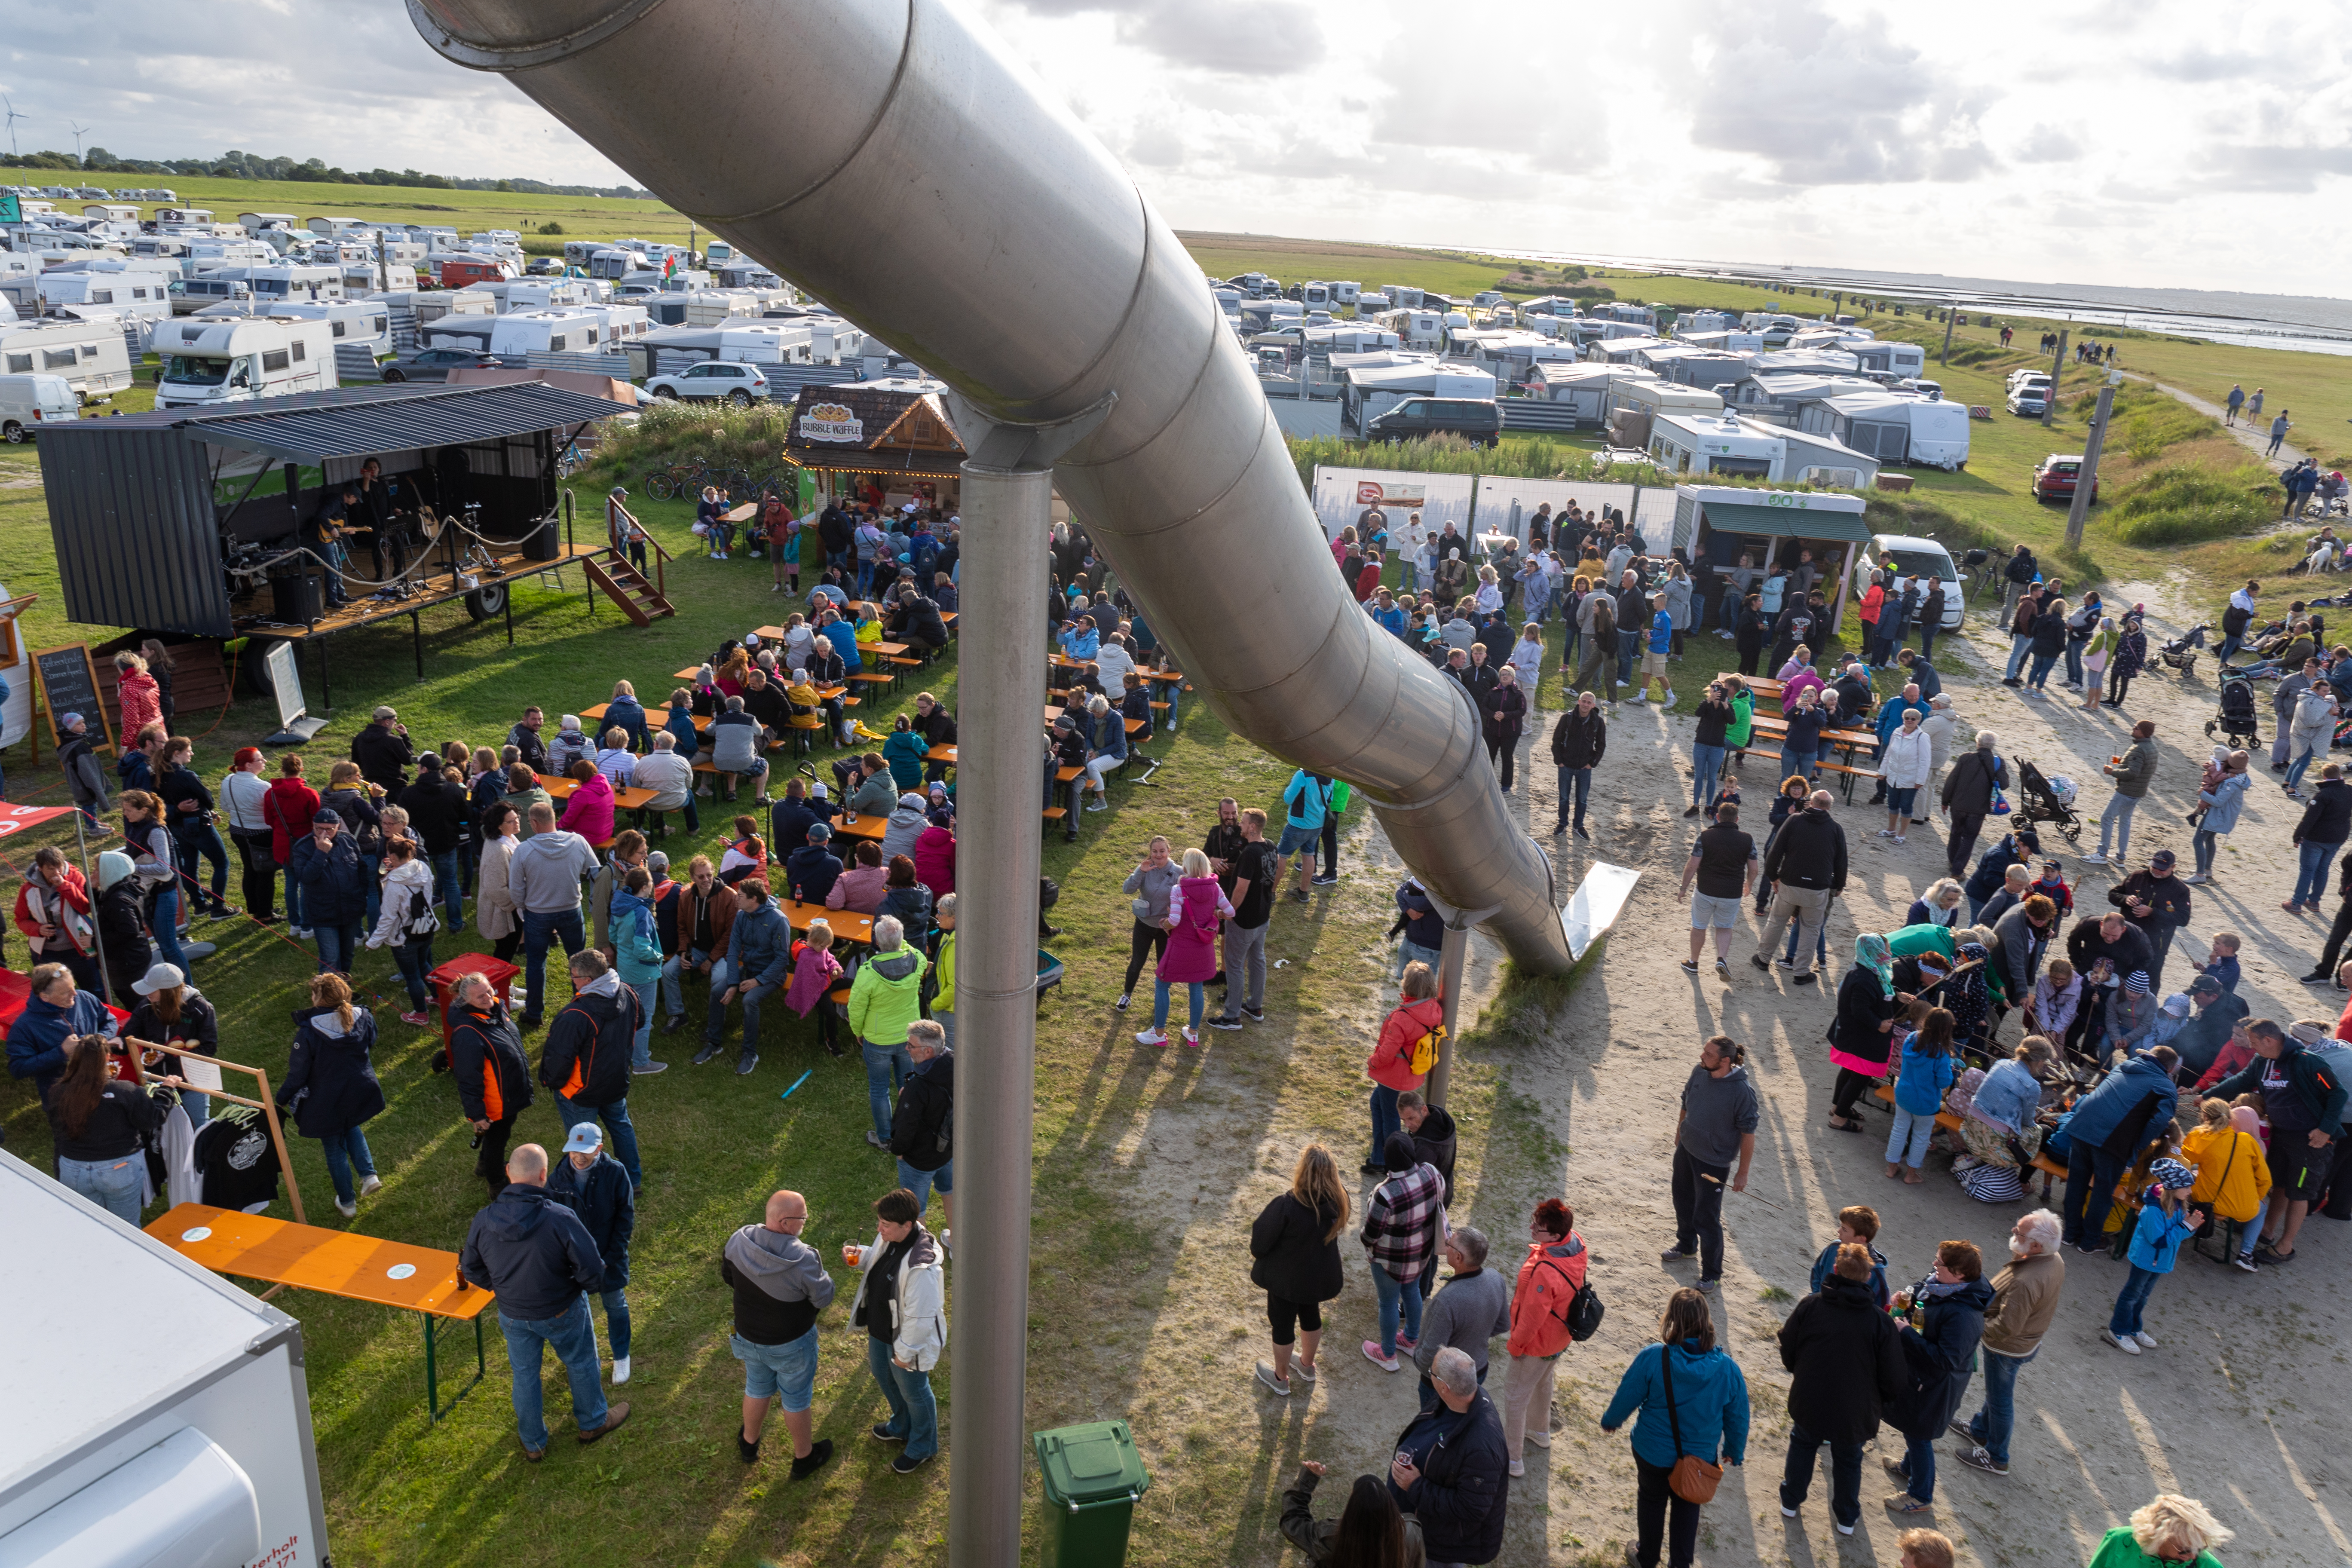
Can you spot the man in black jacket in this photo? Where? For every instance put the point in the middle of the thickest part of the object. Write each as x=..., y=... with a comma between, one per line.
x=492, y=1074
x=1578, y=742
x=922, y=1126
x=2156, y=904
x=383, y=752
x=1808, y=863
x=586, y=1058
x=591, y=1185
x=2326, y=822
x=437, y=808
x=1452, y=1467
x=536, y=1256
x=1968, y=786
x=1847, y=1356
x=525, y=738
x=2021, y=570
x=2111, y=940
x=780, y=1286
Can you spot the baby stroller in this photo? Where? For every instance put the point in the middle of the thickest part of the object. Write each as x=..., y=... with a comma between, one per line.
x=2047, y=799
x=2236, y=720
x=2181, y=652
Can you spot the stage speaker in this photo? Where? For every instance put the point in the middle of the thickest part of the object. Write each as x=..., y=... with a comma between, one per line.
x=296, y=598
x=545, y=544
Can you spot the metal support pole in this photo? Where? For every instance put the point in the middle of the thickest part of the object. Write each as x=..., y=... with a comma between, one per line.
x=1951, y=318
x=1452, y=952
x=1007, y=508
x=2087, y=479
x=2057, y=369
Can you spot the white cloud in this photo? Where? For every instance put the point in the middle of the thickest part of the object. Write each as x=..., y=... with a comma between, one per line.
x=1241, y=37
x=2049, y=144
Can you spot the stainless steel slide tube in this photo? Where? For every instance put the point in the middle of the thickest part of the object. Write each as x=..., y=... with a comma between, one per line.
x=891, y=158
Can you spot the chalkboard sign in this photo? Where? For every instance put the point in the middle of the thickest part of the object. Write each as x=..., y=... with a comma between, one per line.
x=70, y=681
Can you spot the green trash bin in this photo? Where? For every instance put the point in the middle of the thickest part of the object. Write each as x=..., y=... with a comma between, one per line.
x=1092, y=1477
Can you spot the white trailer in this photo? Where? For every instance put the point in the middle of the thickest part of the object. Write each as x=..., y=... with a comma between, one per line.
x=199, y=1457
x=364, y=322
x=574, y=331
x=177, y=216
x=142, y=296
x=254, y=222
x=210, y=362
x=92, y=355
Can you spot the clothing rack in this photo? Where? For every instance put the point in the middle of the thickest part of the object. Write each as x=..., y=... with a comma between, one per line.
x=266, y=1105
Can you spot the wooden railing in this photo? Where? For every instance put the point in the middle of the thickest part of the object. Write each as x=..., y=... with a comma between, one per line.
x=614, y=512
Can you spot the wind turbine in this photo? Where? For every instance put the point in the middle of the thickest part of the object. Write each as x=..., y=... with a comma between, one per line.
x=12, y=117
x=78, y=131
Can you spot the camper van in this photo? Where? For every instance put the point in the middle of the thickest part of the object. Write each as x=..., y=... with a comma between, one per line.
x=362, y=324
x=141, y=295
x=91, y=355
x=212, y=361
x=456, y=270
x=177, y=216
x=28, y=402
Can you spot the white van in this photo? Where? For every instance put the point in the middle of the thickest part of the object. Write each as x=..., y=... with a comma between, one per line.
x=212, y=361
x=1907, y=554
x=29, y=402
x=91, y=355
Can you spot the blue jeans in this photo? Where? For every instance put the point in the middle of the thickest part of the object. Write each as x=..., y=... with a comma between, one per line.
x=1159, y=989
x=2204, y=843
x=538, y=928
x=338, y=946
x=1172, y=692
x=618, y=1132
x=449, y=886
x=1797, y=762
x=1408, y=953
x=887, y=1068
x=1629, y=654
x=1907, y=1143
x=754, y=992
x=920, y=1183
x=1384, y=1118
x=914, y=1413
x=1706, y=767
x=1919, y=1467
x=1579, y=783
x=641, y=1050
x=673, y=985
x=2039, y=679
x=2295, y=769
x=164, y=923
x=1393, y=1293
x=572, y=1336
x=1993, y=1424
x=345, y=1151
x=2020, y=645
x=616, y=1320
x=294, y=901
x=197, y=842
x=2313, y=862
x=414, y=957
x=372, y=864
x=2131, y=1301
x=113, y=1186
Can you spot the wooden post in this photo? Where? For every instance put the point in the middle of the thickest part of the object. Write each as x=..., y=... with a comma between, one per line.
x=264, y=1103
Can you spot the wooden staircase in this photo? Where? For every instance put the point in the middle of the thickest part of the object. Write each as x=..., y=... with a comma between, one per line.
x=639, y=600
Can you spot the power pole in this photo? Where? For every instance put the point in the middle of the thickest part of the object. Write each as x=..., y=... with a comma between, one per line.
x=2087, y=479
x=2057, y=369
x=1952, y=316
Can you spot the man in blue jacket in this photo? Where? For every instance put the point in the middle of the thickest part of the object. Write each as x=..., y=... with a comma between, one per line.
x=591, y=1185
x=2304, y=1094
x=759, y=962
x=2110, y=1127
x=1452, y=1468
x=538, y=1258
x=54, y=1011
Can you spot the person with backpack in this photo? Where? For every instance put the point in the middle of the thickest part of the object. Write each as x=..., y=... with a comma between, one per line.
x=1846, y=1357
x=2302, y=1084
x=586, y=1057
x=1692, y=1400
x=406, y=924
x=1550, y=1307
x=922, y=1127
x=1400, y=1062
x=487, y=1063
x=1308, y=797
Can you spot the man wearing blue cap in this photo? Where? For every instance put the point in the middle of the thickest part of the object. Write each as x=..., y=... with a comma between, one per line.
x=593, y=1185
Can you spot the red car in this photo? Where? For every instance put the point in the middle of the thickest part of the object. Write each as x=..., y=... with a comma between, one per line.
x=2054, y=479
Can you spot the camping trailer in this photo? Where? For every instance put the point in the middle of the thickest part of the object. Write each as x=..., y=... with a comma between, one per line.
x=1369, y=392
x=233, y=359
x=92, y=355
x=1698, y=443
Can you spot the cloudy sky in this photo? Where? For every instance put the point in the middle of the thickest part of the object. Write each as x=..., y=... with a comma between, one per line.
x=2150, y=142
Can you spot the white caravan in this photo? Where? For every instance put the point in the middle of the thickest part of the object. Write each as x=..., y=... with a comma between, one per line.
x=91, y=355
x=233, y=361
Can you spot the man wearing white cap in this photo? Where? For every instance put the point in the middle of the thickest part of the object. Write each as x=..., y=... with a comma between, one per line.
x=592, y=1184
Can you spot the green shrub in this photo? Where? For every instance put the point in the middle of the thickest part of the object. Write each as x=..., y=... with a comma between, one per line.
x=2187, y=503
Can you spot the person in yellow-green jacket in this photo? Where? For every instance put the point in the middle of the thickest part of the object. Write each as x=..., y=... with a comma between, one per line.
x=943, y=967
x=2171, y=1529
x=884, y=999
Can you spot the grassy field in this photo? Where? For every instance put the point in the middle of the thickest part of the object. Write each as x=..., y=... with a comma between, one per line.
x=1107, y=1265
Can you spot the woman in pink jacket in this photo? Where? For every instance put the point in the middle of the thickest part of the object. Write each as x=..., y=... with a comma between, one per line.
x=588, y=812
x=142, y=699
x=1195, y=911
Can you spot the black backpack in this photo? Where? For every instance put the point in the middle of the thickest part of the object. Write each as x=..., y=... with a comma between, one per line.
x=1584, y=1313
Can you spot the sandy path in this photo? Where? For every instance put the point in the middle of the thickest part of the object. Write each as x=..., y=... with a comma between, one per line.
x=2242, y=1406
x=2254, y=436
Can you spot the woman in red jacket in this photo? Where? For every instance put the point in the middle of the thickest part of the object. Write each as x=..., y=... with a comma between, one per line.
x=1548, y=1281
x=1418, y=1012
x=288, y=808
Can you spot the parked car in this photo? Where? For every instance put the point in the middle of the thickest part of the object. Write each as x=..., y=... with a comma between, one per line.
x=2028, y=395
x=434, y=364
x=712, y=381
x=544, y=267
x=2056, y=478
x=1476, y=419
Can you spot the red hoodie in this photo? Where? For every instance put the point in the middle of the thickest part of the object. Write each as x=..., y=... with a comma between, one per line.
x=76, y=897
x=288, y=808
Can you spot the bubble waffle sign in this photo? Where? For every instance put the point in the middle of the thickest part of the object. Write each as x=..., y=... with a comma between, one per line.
x=830, y=422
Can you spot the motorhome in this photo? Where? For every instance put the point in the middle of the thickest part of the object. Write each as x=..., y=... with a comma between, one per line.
x=1402, y=296
x=141, y=295
x=362, y=324
x=1888, y=359
x=1894, y=427
x=367, y=278
x=29, y=402
x=91, y=355
x=254, y=222
x=177, y=216
x=1415, y=329
x=456, y=270
x=278, y=283
x=231, y=361
x=1695, y=443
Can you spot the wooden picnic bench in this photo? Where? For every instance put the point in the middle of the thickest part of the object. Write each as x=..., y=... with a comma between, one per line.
x=1950, y=1123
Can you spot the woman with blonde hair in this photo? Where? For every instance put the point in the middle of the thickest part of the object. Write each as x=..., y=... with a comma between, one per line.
x=1295, y=1244
x=2169, y=1531
x=331, y=1085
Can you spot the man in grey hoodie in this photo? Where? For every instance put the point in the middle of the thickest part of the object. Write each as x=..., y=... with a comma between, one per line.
x=780, y=1286
x=907, y=820
x=543, y=879
x=83, y=776
x=1474, y=1306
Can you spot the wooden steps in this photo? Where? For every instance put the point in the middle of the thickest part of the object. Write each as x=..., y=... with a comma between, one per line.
x=626, y=586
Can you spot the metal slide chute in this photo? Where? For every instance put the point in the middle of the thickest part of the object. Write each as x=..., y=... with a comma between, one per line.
x=894, y=160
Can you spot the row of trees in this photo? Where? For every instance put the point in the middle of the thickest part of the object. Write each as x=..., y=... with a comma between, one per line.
x=238, y=165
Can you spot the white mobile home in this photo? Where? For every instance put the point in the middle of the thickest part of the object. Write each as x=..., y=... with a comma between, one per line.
x=365, y=323
x=1415, y=328
x=254, y=222
x=1818, y=362
x=1894, y=427
x=232, y=361
x=89, y=355
x=1887, y=359
x=175, y=216
x=141, y=295
x=1716, y=443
